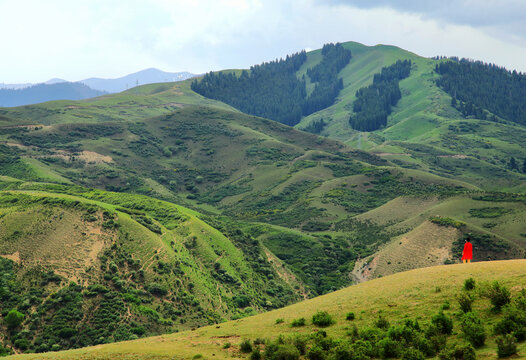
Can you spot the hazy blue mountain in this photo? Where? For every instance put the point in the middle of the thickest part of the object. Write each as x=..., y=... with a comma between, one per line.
x=142, y=77
x=47, y=92
x=14, y=86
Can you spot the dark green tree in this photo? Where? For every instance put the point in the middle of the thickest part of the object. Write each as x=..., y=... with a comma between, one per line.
x=13, y=319
x=513, y=164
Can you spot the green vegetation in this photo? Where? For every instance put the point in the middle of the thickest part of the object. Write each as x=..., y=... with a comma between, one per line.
x=94, y=248
x=484, y=86
x=406, y=331
x=373, y=104
x=272, y=89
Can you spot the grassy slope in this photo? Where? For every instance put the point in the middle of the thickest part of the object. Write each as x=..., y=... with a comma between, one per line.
x=411, y=294
x=423, y=116
x=135, y=104
x=72, y=246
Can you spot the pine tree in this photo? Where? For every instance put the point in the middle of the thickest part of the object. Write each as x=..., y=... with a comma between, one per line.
x=513, y=164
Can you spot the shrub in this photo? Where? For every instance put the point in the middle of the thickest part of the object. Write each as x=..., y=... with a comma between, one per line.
x=381, y=323
x=298, y=322
x=469, y=284
x=301, y=344
x=280, y=320
x=412, y=354
x=282, y=352
x=362, y=350
x=389, y=348
x=157, y=289
x=506, y=346
x=322, y=319
x=459, y=352
x=498, y=295
x=465, y=300
x=245, y=346
x=444, y=324
x=13, y=319
x=256, y=354
x=473, y=329
x=445, y=306
x=350, y=316
x=316, y=353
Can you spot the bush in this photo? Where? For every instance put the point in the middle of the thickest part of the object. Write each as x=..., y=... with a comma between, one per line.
x=13, y=319
x=301, y=344
x=316, y=353
x=245, y=346
x=412, y=354
x=298, y=322
x=350, y=316
x=506, y=346
x=256, y=354
x=22, y=344
x=473, y=329
x=498, y=295
x=389, y=348
x=322, y=319
x=459, y=352
x=444, y=324
x=381, y=323
x=445, y=306
x=465, y=300
x=282, y=352
x=280, y=321
x=469, y=284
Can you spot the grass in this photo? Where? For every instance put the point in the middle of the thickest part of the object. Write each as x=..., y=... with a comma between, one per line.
x=407, y=295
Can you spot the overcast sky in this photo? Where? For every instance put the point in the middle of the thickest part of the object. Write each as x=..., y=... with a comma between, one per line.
x=76, y=39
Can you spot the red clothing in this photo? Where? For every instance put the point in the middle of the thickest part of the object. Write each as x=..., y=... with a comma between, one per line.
x=467, y=254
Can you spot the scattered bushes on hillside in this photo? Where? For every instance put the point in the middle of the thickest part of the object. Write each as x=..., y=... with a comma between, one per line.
x=506, y=346
x=465, y=301
x=446, y=221
x=298, y=322
x=499, y=295
x=473, y=329
x=469, y=284
x=322, y=319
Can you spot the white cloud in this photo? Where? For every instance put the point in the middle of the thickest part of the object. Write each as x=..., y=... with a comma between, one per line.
x=78, y=39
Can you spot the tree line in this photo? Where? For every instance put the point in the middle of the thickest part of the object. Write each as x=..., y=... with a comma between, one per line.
x=374, y=103
x=475, y=85
x=272, y=90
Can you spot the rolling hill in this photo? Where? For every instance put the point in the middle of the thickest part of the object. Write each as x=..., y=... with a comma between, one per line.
x=182, y=211
x=399, y=299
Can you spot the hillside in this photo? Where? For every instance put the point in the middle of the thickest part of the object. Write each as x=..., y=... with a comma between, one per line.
x=402, y=298
x=424, y=130
x=250, y=169
x=86, y=266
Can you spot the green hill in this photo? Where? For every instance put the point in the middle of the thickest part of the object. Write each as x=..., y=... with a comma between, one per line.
x=86, y=267
x=473, y=150
x=174, y=211
x=407, y=302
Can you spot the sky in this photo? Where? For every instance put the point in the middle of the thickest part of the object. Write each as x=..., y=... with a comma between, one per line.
x=74, y=40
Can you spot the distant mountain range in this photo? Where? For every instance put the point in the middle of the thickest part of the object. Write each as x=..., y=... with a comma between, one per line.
x=46, y=92
x=148, y=76
x=60, y=89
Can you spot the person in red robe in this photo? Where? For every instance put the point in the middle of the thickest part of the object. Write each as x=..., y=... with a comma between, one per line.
x=467, y=253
